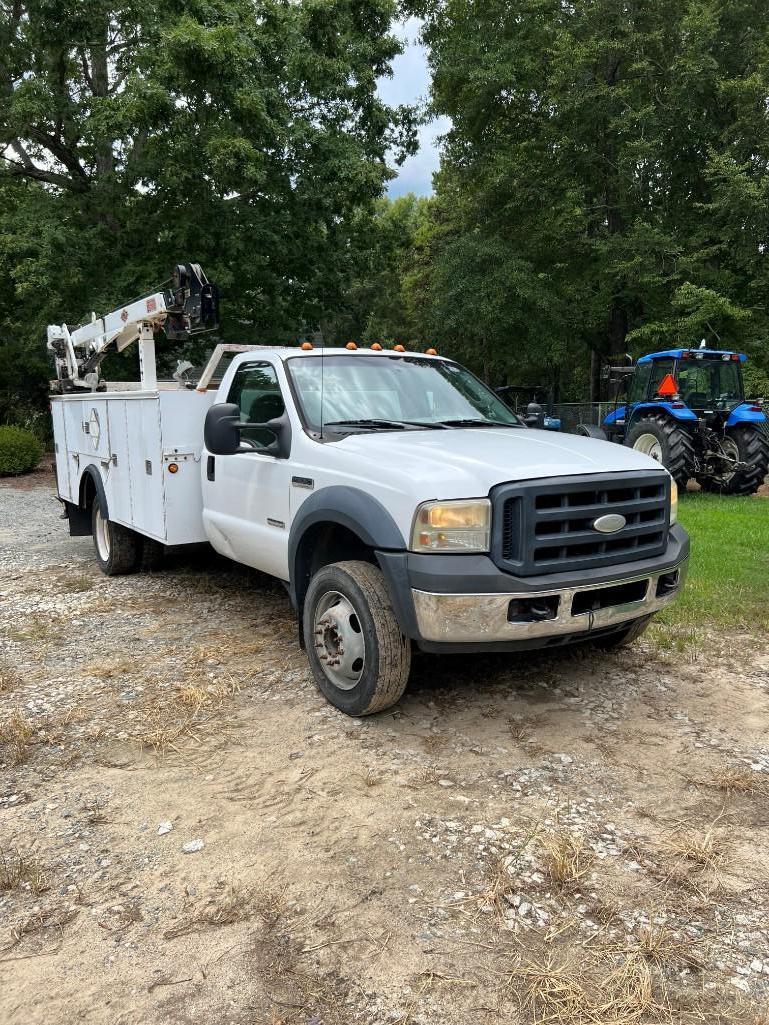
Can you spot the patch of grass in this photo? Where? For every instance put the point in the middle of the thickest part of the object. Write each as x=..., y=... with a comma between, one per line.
x=35, y=630
x=37, y=924
x=566, y=857
x=196, y=696
x=19, y=871
x=427, y=776
x=563, y=992
x=226, y=908
x=76, y=583
x=16, y=736
x=728, y=584
x=111, y=670
x=736, y=779
x=9, y=678
x=703, y=849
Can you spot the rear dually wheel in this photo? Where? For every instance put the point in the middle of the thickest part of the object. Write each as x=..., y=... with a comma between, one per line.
x=118, y=549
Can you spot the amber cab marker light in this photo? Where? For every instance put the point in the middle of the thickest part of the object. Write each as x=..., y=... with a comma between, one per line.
x=173, y=467
x=306, y=346
x=399, y=348
x=376, y=347
x=351, y=345
x=431, y=352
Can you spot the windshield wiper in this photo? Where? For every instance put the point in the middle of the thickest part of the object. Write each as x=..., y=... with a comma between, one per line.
x=475, y=423
x=389, y=425
x=386, y=424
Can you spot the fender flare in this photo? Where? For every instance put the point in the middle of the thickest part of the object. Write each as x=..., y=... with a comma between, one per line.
x=683, y=416
x=348, y=507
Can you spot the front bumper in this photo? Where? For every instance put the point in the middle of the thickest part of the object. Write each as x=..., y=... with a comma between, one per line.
x=494, y=618
x=465, y=603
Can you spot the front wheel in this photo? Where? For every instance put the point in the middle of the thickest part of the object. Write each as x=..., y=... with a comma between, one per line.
x=660, y=438
x=621, y=638
x=358, y=655
x=118, y=549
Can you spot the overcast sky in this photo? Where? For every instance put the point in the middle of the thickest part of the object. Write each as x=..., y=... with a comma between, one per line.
x=411, y=83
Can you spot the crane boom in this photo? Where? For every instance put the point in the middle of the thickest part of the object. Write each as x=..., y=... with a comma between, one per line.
x=189, y=307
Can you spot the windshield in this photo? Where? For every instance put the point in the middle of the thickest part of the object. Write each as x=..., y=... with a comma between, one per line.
x=392, y=392
x=704, y=383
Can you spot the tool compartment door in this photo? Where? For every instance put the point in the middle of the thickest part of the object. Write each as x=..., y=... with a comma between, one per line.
x=63, y=481
x=145, y=466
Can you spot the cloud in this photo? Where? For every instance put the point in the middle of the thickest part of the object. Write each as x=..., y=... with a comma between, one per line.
x=410, y=84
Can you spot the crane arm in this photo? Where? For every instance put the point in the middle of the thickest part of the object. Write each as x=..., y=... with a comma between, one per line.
x=189, y=307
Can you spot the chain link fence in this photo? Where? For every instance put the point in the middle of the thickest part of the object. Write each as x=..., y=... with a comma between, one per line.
x=572, y=414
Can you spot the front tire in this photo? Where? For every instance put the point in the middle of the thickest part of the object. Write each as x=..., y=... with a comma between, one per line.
x=118, y=549
x=660, y=438
x=359, y=658
x=621, y=638
x=748, y=445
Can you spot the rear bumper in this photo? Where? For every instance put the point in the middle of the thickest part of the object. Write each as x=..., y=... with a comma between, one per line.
x=464, y=603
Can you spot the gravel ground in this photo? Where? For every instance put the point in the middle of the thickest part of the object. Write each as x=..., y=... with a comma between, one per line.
x=188, y=830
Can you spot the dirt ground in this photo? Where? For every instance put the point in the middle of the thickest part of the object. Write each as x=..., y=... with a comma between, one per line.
x=189, y=833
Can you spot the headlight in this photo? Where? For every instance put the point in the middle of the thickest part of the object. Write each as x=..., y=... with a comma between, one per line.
x=673, y=503
x=452, y=526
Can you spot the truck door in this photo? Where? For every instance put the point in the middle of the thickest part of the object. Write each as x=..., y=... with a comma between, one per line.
x=246, y=495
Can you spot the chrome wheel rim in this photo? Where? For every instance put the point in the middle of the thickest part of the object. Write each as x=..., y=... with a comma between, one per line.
x=339, y=641
x=101, y=535
x=649, y=445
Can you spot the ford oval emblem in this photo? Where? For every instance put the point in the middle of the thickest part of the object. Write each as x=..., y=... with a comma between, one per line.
x=609, y=524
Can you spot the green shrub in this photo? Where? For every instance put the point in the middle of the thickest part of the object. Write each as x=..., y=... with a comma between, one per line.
x=20, y=451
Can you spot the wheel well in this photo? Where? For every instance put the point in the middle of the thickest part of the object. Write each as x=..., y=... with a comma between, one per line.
x=322, y=544
x=87, y=490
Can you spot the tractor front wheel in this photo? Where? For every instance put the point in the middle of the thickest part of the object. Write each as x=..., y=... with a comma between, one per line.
x=662, y=439
x=749, y=445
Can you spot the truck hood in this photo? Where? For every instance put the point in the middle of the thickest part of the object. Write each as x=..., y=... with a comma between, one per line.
x=468, y=462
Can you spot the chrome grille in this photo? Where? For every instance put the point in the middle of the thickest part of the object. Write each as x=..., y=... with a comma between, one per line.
x=546, y=526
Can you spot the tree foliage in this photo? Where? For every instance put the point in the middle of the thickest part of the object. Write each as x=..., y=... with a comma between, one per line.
x=610, y=162
x=245, y=134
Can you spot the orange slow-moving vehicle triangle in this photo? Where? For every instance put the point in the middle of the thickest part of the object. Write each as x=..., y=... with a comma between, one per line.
x=668, y=387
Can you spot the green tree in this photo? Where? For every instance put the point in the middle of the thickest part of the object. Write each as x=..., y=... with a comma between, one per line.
x=620, y=152
x=374, y=307
x=245, y=134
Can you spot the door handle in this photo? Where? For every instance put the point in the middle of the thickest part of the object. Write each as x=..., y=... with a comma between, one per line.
x=211, y=468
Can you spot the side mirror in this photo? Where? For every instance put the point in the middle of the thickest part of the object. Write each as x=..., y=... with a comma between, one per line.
x=221, y=431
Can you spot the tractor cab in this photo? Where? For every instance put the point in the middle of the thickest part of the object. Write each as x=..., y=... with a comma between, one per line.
x=706, y=381
x=686, y=408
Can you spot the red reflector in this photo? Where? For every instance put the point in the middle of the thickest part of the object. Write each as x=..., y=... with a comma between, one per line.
x=686, y=355
x=735, y=356
x=668, y=387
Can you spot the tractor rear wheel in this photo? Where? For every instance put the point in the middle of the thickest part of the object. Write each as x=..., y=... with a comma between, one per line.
x=747, y=445
x=662, y=439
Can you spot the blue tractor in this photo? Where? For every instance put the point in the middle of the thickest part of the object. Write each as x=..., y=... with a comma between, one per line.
x=687, y=409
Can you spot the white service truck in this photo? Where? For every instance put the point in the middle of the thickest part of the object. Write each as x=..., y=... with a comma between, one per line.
x=399, y=500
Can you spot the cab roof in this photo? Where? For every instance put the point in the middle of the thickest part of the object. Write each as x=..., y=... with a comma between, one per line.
x=692, y=354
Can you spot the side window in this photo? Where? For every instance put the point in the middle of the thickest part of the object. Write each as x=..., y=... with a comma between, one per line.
x=256, y=392
x=640, y=382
